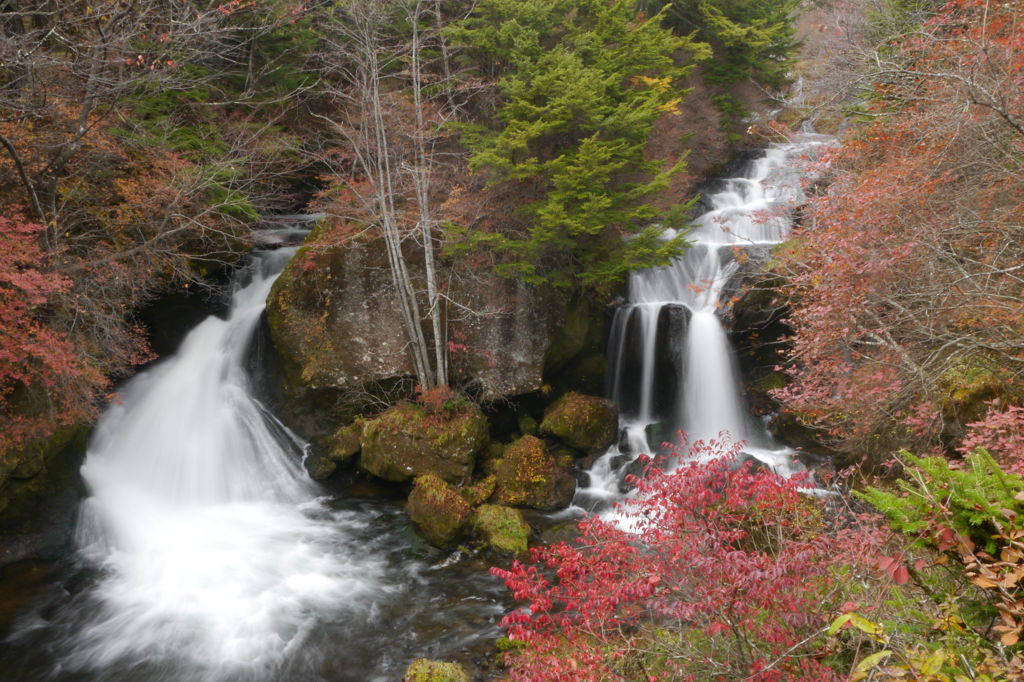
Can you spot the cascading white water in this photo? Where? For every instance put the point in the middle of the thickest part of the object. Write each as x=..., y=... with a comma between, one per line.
x=217, y=559
x=748, y=213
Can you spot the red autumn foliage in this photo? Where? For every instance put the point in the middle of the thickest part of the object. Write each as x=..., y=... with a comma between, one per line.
x=724, y=573
x=32, y=355
x=906, y=279
x=1001, y=432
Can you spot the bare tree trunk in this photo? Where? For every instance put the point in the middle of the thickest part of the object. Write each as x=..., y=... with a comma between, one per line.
x=421, y=180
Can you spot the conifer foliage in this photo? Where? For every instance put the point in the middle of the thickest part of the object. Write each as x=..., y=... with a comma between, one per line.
x=580, y=86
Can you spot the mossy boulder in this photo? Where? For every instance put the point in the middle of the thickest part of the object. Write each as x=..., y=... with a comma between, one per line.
x=344, y=444
x=529, y=476
x=425, y=670
x=967, y=386
x=502, y=528
x=438, y=510
x=407, y=441
x=583, y=422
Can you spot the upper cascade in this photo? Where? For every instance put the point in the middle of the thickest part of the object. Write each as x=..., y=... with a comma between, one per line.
x=671, y=318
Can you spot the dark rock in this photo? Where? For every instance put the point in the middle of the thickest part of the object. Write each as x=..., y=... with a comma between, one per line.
x=319, y=467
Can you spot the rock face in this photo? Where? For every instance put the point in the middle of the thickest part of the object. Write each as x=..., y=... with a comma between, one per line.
x=406, y=441
x=23, y=470
x=529, y=476
x=586, y=423
x=438, y=510
x=502, y=528
x=335, y=323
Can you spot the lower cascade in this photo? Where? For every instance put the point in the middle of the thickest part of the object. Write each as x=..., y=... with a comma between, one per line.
x=671, y=366
x=208, y=554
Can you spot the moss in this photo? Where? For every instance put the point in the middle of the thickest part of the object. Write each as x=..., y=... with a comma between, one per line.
x=528, y=476
x=425, y=670
x=344, y=444
x=587, y=423
x=438, y=510
x=481, y=491
x=968, y=384
x=406, y=441
x=502, y=528
x=772, y=382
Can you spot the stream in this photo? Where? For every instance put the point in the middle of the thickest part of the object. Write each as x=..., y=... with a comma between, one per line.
x=204, y=552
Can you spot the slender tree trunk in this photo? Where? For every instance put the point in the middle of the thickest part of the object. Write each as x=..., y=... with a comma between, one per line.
x=421, y=173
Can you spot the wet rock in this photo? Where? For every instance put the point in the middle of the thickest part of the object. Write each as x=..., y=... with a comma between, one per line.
x=438, y=510
x=20, y=467
x=407, y=441
x=319, y=467
x=529, y=476
x=587, y=423
x=502, y=528
x=424, y=670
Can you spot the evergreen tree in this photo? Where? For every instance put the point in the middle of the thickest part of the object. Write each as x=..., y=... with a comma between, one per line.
x=581, y=84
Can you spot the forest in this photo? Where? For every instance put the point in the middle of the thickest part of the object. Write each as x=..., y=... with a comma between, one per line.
x=479, y=211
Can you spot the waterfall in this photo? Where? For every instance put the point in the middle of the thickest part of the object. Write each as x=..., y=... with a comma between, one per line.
x=216, y=560
x=746, y=215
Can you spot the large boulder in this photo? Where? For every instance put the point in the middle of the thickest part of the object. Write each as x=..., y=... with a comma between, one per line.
x=438, y=510
x=583, y=422
x=528, y=475
x=407, y=441
x=334, y=319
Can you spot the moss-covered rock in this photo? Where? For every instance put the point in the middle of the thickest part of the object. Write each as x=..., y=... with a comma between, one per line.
x=424, y=670
x=529, y=476
x=34, y=474
x=584, y=422
x=407, y=441
x=967, y=386
x=344, y=444
x=481, y=491
x=527, y=424
x=438, y=510
x=502, y=528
